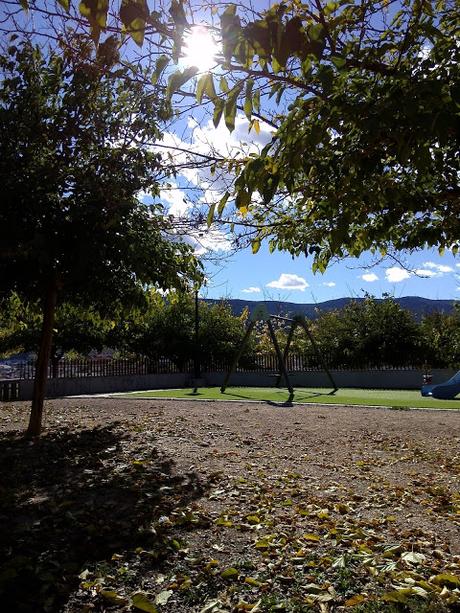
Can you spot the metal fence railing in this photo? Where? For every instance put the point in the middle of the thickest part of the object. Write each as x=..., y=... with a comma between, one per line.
x=101, y=368
x=9, y=390
x=296, y=363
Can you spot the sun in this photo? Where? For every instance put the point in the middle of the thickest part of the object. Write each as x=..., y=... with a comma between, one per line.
x=200, y=49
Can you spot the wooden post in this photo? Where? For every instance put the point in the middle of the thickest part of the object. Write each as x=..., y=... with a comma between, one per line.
x=280, y=360
x=286, y=350
x=237, y=356
x=303, y=323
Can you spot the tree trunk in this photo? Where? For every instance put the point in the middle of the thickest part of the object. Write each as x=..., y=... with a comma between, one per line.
x=44, y=352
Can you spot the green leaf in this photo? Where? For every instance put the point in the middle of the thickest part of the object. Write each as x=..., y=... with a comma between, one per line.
x=200, y=87
x=255, y=248
x=230, y=27
x=205, y=86
x=230, y=107
x=65, y=4
x=401, y=596
x=24, y=4
x=248, y=108
x=221, y=521
x=316, y=31
x=133, y=15
x=178, y=79
x=339, y=62
x=311, y=537
x=218, y=110
x=177, y=12
x=160, y=65
x=447, y=580
x=248, y=100
x=230, y=114
x=210, y=217
x=242, y=201
x=141, y=602
x=113, y=597
x=96, y=13
x=222, y=203
x=229, y=573
x=256, y=101
x=223, y=85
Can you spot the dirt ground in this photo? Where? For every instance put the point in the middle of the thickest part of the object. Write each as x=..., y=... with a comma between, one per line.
x=184, y=506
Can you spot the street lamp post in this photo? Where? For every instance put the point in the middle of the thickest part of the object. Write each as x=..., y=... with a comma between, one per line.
x=196, y=365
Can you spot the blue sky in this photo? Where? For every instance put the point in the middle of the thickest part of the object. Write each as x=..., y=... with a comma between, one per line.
x=277, y=276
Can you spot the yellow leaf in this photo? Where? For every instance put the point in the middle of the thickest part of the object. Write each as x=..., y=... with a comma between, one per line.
x=253, y=519
x=229, y=573
x=211, y=564
x=253, y=582
x=141, y=602
x=447, y=580
x=113, y=598
x=311, y=537
x=354, y=600
x=401, y=596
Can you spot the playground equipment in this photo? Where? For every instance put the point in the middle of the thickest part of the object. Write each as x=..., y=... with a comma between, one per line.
x=445, y=391
x=261, y=314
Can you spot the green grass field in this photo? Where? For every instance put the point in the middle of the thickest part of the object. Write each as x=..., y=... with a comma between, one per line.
x=389, y=398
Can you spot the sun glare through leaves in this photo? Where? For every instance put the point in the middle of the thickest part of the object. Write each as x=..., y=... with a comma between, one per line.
x=200, y=48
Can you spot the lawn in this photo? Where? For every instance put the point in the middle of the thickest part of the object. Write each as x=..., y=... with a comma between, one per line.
x=346, y=396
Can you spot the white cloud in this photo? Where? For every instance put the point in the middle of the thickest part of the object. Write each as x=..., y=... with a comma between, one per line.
x=207, y=140
x=369, y=277
x=251, y=290
x=424, y=272
x=440, y=268
x=204, y=240
x=395, y=274
x=328, y=284
x=143, y=196
x=289, y=282
x=175, y=200
x=220, y=139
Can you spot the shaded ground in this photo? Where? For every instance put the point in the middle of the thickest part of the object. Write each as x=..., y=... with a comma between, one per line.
x=180, y=506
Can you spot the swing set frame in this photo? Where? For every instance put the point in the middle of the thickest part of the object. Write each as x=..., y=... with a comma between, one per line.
x=296, y=321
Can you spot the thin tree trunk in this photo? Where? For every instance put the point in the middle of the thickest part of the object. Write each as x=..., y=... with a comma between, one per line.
x=44, y=352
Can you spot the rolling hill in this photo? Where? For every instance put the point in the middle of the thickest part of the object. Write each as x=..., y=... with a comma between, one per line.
x=416, y=305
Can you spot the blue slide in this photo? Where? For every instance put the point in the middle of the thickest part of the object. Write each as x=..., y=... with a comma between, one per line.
x=446, y=391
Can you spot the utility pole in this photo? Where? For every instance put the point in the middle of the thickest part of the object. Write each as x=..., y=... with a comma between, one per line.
x=196, y=365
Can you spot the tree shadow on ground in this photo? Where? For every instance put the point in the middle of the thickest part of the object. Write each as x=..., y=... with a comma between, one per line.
x=74, y=498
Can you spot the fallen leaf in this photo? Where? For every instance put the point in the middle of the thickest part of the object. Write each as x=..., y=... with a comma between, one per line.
x=141, y=602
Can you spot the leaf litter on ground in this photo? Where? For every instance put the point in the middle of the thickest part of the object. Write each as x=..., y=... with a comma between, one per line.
x=365, y=518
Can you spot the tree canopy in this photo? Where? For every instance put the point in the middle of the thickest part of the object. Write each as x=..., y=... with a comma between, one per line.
x=366, y=156
x=363, y=99
x=75, y=149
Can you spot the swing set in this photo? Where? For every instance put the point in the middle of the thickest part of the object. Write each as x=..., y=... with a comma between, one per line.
x=261, y=315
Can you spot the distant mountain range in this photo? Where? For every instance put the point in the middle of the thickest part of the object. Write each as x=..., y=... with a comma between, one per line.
x=416, y=305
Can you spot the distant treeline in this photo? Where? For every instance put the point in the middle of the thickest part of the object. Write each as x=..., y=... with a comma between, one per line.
x=365, y=333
